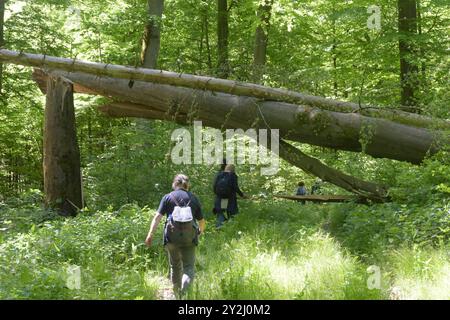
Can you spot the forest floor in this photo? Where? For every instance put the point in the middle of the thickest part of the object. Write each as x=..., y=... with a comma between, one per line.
x=271, y=250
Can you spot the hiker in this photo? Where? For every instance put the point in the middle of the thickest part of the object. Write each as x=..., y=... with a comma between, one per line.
x=301, y=191
x=226, y=187
x=315, y=189
x=221, y=170
x=181, y=231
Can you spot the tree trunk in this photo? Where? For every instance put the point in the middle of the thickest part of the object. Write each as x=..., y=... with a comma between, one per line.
x=223, y=67
x=62, y=175
x=407, y=28
x=2, y=39
x=334, y=55
x=208, y=46
x=152, y=34
x=422, y=54
x=151, y=41
x=261, y=40
x=216, y=85
x=343, y=131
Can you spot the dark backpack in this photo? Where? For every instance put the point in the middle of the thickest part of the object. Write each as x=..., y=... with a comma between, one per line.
x=224, y=186
x=181, y=233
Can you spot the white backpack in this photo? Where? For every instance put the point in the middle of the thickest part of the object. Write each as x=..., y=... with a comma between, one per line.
x=181, y=228
x=181, y=214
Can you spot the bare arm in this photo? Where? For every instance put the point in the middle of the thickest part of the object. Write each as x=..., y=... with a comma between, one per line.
x=202, y=225
x=154, y=225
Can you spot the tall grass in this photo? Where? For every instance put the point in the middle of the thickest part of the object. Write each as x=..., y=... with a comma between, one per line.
x=271, y=250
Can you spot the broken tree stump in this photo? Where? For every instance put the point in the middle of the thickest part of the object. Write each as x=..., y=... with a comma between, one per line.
x=62, y=178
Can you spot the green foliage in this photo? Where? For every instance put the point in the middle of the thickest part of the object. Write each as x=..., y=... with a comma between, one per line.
x=106, y=246
x=420, y=184
x=281, y=251
x=273, y=249
x=367, y=229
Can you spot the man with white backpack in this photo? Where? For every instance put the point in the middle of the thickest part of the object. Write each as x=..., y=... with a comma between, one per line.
x=183, y=225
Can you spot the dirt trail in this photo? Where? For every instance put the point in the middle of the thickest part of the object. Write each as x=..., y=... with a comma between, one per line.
x=166, y=292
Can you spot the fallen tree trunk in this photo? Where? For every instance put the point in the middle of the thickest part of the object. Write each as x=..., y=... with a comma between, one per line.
x=218, y=85
x=294, y=156
x=343, y=131
x=320, y=198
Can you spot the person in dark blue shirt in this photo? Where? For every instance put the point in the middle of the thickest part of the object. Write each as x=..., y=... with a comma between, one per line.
x=301, y=191
x=181, y=257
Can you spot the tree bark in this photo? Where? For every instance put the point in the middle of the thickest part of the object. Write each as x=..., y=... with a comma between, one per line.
x=207, y=44
x=151, y=41
x=218, y=85
x=422, y=54
x=407, y=28
x=223, y=66
x=62, y=175
x=343, y=131
x=2, y=39
x=261, y=39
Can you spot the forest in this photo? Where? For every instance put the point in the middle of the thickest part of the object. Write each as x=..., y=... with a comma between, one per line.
x=100, y=108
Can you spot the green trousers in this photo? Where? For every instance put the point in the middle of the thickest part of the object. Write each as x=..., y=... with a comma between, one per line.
x=182, y=263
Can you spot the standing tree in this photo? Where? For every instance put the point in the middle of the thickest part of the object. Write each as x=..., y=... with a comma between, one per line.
x=261, y=39
x=2, y=40
x=223, y=67
x=205, y=38
x=152, y=34
x=407, y=28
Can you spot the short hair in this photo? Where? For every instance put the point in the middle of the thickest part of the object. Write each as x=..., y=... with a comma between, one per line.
x=230, y=168
x=180, y=181
x=301, y=184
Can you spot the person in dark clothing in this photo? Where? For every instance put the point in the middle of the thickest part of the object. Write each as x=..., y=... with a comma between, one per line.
x=218, y=174
x=316, y=187
x=226, y=202
x=221, y=170
x=301, y=189
x=181, y=257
